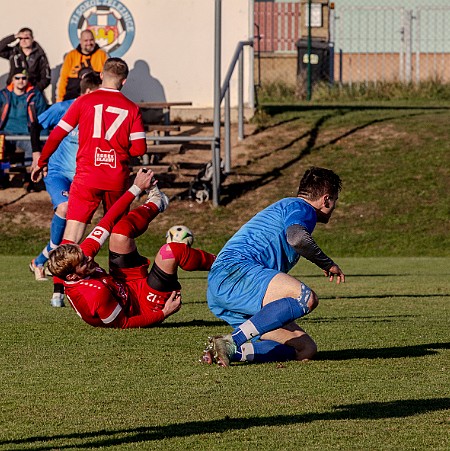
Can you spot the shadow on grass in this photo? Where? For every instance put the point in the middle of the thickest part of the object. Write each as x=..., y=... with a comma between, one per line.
x=383, y=353
x=387, y=296
x=193, y=323
x=402, y=408
x=233, y=191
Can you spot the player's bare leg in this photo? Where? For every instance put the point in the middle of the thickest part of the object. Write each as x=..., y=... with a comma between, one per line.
x=284, y=285
x=74, y=231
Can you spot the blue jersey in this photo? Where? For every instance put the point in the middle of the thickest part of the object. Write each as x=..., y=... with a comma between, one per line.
x=263, y=239
x=238, y=279
x=63, y=161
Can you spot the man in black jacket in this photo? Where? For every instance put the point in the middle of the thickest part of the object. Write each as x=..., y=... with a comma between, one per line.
x=26, y=55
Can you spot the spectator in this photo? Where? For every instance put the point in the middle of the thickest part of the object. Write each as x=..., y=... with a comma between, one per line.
x=20, y=105
x=129, y=295
x=85, y=58
x=27, y=55
x=110, y=133
x=61, y=170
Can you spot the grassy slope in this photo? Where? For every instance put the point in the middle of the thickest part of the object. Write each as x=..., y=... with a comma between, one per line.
x=394, y=161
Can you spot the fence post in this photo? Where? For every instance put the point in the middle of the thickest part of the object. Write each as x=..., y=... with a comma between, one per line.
x=408, y=46
x=241, y=95
x=217, y=101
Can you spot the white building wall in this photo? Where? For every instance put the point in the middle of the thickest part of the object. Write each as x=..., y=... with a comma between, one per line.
x=172, y=54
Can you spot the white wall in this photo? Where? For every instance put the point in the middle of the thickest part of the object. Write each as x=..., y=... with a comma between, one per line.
x=172, y=55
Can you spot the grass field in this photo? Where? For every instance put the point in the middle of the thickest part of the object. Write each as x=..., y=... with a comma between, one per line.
x=381, y=380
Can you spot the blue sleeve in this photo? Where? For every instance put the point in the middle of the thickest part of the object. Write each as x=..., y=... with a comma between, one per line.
x=301, y=213
x=53, y=115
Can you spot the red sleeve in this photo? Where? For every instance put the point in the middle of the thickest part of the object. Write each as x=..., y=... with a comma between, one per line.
x=137, y=137
x=68, y=122
x=94, y=241
x=145, y=319
x=52, y=143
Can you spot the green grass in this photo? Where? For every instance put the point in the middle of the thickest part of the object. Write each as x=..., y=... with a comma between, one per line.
x=393, y=157
x=381, y=380
x=281, y=92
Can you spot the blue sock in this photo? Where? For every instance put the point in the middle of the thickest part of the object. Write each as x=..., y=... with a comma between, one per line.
x=263, y=352
x=272, y=316
x=57, y=227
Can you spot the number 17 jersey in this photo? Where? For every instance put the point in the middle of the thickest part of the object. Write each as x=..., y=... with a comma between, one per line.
x=110, y=132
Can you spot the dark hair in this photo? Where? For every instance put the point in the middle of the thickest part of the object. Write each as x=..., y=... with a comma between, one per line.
x=317, y=182
x=25, y=29
x=90, y=80
x=116, y=67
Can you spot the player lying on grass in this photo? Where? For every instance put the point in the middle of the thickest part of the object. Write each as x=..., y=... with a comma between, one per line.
x=130, y=295
x=248, y=285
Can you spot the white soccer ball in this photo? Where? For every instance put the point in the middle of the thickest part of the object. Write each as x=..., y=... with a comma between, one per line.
x=180, y=234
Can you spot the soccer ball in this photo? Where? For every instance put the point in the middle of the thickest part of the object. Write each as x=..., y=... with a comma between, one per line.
x=180, y=234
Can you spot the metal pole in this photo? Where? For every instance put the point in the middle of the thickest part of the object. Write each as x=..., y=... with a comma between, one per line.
x=241, y=96
x=308, y=84
x=251, y=55
x=227, y=126
x=217, y=75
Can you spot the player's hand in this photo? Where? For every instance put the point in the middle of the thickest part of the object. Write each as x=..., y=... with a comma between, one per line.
x=37, y=172
x=333, y=272
x=144, y=179
x=36, y=156
x=173, y=304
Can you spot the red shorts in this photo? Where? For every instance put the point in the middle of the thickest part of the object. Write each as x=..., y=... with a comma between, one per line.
x=139, y=290
x=84, y=201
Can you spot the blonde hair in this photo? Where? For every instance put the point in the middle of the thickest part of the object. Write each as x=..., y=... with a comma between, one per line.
x=63, y=260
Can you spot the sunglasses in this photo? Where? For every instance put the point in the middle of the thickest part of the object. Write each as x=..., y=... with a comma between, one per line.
x=20, y=78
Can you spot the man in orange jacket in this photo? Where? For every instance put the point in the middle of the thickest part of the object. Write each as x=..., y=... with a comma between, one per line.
x=88, y=56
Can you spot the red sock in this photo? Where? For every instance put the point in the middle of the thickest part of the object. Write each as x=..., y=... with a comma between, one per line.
x=191, y=259
x=136, y=222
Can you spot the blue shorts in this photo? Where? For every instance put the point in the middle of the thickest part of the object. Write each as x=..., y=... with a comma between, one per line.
x=58, y=187
x=236, y=289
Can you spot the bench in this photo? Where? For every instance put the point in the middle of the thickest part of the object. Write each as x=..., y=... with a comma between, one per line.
x=157, y=169
x=164, y=106
x=158, y=128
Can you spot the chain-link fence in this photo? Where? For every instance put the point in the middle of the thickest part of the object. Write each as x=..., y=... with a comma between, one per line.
x=369, y=41
x=382, y=43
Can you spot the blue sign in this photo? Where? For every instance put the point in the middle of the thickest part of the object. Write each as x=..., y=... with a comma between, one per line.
x=109, y=20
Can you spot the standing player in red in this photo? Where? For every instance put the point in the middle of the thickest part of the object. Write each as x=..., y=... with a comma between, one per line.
x=110, y=132
x=130, y=295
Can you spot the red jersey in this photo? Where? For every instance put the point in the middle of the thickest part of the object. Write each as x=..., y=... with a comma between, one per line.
x=104, y=300
x=110, y=132
x=121, y=299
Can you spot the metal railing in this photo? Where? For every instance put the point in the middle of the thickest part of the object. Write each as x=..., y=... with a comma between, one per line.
x=238, y=58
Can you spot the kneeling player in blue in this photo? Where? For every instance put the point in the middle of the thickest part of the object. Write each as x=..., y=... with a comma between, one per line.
x=248, y=284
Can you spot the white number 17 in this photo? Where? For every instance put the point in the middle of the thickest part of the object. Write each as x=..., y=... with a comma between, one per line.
x=121, y=116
